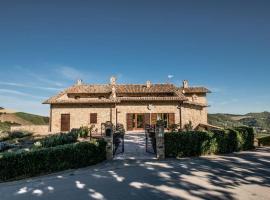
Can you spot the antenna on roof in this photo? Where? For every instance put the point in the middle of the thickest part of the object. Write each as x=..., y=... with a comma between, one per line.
x=169, y=78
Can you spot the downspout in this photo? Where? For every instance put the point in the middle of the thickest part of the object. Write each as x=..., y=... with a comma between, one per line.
x=50, y=121
x=116, y=115
x=180, y=115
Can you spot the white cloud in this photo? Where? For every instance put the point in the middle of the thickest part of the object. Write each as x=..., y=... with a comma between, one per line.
x=16, y=92
x=70, y=73
x=30, y=86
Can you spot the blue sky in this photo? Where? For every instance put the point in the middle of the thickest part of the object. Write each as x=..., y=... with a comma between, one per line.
x=223, y=45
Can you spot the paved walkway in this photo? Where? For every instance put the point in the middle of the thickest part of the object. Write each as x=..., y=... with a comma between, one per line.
x=134, y=147
x=244, y=175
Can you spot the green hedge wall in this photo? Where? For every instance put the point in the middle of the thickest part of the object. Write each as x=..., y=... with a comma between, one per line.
x=196, y=143
x=264, y=141
x=59, y=139
x=46, y=160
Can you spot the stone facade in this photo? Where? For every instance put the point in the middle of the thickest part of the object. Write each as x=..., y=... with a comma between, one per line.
x=114, y=102
x=80, y=113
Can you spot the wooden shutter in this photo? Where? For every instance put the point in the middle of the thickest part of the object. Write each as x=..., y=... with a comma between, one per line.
x=93, y=118
x=65, y=122
x=171, y=118
x=153, y=118
x=146, y=118
x=129, y=122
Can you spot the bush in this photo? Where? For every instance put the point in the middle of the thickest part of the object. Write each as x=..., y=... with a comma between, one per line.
x=226, y=140
x=47, y=160
x=247, y=135
x=265, y=141
x=59, y=139
x=196, y=143
x=13, y=135
x=192, y=143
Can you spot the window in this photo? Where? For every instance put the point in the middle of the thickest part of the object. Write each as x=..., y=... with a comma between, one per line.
x=194, y=97
x=93, y=118
x=65, y=122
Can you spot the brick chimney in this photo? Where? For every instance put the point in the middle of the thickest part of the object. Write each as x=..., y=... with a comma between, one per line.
x=185, y=84
x=148, y=84
x=79, y=82
x=113, y=80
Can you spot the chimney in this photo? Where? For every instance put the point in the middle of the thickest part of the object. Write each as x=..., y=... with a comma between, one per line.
x=185, y=84
x=148, y=84
x=79, y=82
x=113, y=80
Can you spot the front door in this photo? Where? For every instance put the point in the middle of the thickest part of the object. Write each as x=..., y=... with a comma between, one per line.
x=136, y=121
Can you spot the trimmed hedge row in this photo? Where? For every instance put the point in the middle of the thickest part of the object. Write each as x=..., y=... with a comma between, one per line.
x=264, y=141
x=59, y=139
x=196, y=143
x=46, y=160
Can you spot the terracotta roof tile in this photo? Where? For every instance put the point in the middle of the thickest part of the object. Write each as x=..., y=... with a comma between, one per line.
x=150, y=98
x=94, y=89
x=141, y=88
x=124, y=89
x=194, y=90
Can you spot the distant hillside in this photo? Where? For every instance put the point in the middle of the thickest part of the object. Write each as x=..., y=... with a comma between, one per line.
x=261, y=121
x=21, y=118
x=33, y=119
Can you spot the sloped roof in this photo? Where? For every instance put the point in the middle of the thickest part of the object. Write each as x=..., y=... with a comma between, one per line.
x=142, y=88
x=124, y=89
x=94, y=89
x=194, y=90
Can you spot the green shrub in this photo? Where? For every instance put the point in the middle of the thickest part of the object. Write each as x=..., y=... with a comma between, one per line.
x=265, y=141
x=192, y=143
x=195, y=143
x=59, y=139
x=247, y=135
x=46, y=160
x=13, y=135
x=227, y=140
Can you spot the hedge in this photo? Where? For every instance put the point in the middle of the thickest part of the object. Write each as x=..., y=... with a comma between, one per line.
x=196, y=143
x=264, y=141
x=53, y=159
x=59, y=139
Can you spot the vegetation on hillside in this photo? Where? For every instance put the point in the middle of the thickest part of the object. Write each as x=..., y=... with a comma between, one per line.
x=5, y=126
x=34, y=119
x=260, y=121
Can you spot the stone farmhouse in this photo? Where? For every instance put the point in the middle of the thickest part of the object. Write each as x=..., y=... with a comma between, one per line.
x=132, y=105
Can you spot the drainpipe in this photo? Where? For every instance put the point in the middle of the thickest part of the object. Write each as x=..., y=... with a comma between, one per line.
x=50, y=121
x=180, y=115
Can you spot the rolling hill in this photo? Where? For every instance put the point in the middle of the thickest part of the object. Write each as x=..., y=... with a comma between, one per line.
x=8, y=119
x=260, y=121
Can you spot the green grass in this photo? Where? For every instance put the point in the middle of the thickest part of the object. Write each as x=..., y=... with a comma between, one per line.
x=34, y=119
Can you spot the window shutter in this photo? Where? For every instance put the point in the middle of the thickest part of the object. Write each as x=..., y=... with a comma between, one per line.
x=65, y=122
x=153, y=118
x=129, y=122
x=93, y=118
x=171, y=118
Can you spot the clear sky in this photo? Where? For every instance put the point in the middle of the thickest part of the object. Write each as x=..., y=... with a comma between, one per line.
x=46, y=45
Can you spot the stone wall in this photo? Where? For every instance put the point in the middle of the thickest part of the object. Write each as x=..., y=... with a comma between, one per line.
x=80, y=113
x=41, y=129
x=195, y=114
